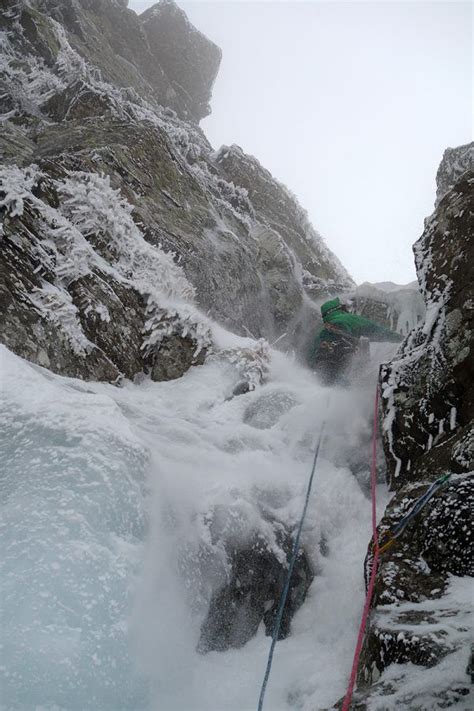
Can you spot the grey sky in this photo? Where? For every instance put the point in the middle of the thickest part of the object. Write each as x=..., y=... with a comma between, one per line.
x=350, y=104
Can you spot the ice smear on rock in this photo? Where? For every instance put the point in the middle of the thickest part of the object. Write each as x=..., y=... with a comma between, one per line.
x=73, y=525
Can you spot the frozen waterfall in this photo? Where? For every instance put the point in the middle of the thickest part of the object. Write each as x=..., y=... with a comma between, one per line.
x=116, y=503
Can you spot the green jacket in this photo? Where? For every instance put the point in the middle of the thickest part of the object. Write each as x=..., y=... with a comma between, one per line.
x=350, y=327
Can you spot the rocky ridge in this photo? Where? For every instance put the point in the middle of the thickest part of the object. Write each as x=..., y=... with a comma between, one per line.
x=94, y=101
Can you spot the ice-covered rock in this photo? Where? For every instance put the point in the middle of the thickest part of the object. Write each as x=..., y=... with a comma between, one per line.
x=84, y=294
x=93, y=96
x=427, y=390
x=159, y=55
x=421, y=610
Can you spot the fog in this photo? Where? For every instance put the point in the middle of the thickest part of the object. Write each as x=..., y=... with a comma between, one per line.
x=351, y=105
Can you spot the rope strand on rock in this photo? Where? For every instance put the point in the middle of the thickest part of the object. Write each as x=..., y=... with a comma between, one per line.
x=294, y=555
x=370, y=589
x=378, y=550
x=419, y=504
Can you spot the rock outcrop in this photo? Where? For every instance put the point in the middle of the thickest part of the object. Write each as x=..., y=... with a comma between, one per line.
x=400, y=308
x=252, y=594
x=421, y=615
x=159, y=54
x=428, y=390
x=95, y=98
x=188, y=58
x=83, y=293
x=456, y=161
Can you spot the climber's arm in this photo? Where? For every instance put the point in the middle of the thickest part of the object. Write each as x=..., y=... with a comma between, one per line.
x=374, y=331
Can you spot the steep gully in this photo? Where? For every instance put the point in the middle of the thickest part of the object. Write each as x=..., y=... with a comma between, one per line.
x=175, y=499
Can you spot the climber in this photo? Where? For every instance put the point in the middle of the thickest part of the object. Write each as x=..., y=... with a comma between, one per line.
x=343, y=335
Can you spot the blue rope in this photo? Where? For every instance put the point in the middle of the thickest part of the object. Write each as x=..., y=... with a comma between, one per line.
x=284, y=594
x=420, y=503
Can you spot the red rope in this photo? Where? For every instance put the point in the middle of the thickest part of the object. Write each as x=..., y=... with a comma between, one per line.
x=370, y=588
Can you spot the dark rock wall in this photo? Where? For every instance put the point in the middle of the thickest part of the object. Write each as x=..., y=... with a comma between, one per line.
x=188, y=58
x=252, y=594
x=428, y=389
x=428, y=431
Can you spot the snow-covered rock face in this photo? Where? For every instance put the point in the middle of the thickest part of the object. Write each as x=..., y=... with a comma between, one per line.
x=456, y=161
x=421, y=612
x=84, y=294
x=159, y=54
x=428, y=391
x=68, y=120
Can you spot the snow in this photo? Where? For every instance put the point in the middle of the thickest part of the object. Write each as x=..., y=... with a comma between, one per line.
x=58, y=305
x=452, y=615
x=452, y=418
x=16, y=185
x=387, y=393
x=32, y=83
x=432, y=314
x=117, y=503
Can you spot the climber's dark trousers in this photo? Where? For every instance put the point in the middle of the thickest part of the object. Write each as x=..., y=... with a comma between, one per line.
x=332, y=366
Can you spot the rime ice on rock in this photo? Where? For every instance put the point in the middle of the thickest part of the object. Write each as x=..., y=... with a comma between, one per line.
x=93, y=111
x=91, y=235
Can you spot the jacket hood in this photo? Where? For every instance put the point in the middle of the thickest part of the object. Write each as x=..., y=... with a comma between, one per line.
x=330, y=306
